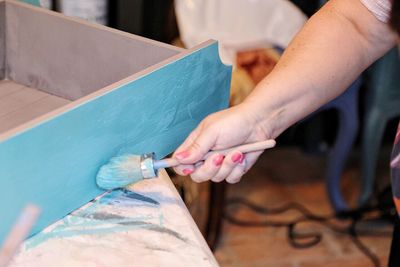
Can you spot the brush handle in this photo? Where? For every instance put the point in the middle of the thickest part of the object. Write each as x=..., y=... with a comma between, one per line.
x=252, y=147
x=172, y=162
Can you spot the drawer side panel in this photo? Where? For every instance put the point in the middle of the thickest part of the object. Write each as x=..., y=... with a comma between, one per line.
x=55, y=163
x=70, y=58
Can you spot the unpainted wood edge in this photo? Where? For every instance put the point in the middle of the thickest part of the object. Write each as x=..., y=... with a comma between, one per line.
x=94, y=25
x=81, y=101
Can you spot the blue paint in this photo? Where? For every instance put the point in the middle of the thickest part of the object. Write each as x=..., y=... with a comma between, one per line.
x=136, y=196
x=42, y=237
x=54, y=164
x=32, y=2
x=128, y=197
x=94, y=220
x=120, y=172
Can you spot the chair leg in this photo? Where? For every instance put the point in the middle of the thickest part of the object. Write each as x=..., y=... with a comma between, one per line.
x=371, y=140
x=348, y=127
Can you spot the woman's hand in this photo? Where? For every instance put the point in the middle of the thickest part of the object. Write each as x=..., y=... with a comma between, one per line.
x=314, y=69
x=225, y=129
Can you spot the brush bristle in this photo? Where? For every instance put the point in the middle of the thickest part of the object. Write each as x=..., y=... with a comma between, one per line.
x=119, y=172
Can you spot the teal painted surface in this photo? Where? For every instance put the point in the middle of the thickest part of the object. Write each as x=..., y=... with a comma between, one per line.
x=32, y=2
x=54, y=164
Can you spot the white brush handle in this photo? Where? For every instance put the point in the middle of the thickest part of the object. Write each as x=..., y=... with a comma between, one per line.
x=244, y=148
x=172, y=162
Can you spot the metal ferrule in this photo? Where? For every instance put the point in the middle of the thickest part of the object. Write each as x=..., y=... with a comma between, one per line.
x=147, y=166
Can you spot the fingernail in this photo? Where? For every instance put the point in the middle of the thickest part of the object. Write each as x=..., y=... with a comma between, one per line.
x=182, y=155
x=237, y=157
x=241, y=160
x=187, y=171
x=218, y=160
x=234, y=181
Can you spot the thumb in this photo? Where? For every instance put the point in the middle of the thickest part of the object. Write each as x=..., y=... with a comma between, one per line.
x=196, y=148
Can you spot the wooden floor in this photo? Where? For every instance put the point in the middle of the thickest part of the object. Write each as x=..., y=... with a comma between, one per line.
x=283, y=175
x=20, y=104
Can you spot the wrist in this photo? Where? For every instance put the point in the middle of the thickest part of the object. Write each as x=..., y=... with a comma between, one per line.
x=266, y=118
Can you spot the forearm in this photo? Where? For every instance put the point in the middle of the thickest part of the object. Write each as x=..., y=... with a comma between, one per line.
x=334, y=47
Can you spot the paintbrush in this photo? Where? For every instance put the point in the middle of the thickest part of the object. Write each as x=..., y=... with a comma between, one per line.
x=18, y=233
x=127, y=169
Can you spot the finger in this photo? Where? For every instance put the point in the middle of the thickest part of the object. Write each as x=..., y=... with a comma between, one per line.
x=231, y=160
x=251, y=159
x=207, y=170
x=184, y=170
x=187, y=169
x=191, y=137
x=198, y=148
x=236, y=175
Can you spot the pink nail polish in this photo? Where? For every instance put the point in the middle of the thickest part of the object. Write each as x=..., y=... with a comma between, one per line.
x=187, y=171
x=182, y=155
x=237, y=157
x=218, y=160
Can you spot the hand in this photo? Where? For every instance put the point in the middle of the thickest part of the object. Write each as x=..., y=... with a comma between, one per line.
x=232, y=127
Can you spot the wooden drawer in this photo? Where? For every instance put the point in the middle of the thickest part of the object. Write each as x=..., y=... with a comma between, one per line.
x=74, y=94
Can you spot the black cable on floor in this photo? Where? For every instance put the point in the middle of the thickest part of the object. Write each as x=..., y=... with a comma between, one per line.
x=361, y=246
x=305, y=240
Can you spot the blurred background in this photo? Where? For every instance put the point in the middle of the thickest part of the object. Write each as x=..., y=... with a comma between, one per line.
x=323, y=195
